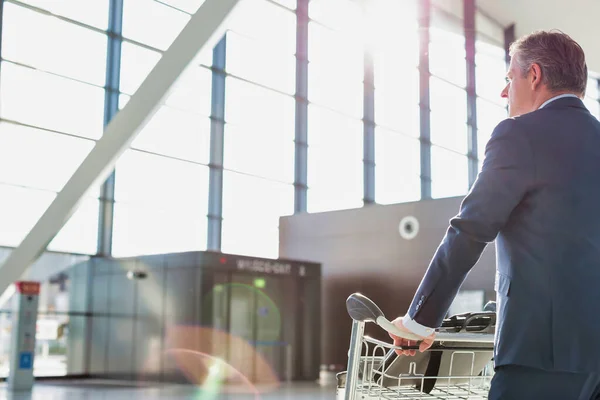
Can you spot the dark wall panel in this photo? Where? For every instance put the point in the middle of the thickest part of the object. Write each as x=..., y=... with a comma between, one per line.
x=99, y=345
x=121, y=300
x=121, y=345
x=100, y=293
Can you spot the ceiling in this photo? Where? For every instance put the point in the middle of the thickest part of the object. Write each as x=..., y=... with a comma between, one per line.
x=577, y=18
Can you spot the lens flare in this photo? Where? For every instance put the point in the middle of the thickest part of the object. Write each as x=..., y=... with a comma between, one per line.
x=218, y=362
x=243, y=302
x=215, y=373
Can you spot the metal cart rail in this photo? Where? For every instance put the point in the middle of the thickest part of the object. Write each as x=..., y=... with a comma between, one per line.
x=462, y=362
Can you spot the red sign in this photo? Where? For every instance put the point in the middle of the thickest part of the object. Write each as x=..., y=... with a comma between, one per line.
x=28, y=288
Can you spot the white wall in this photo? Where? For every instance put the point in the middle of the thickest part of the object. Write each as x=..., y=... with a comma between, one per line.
x=577, y=18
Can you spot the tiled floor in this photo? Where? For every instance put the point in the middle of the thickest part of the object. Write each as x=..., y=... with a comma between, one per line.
x=98, y=391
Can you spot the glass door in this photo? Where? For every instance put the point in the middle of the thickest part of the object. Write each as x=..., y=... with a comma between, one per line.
x=245, y=317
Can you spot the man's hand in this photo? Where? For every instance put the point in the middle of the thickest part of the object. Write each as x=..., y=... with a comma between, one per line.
x=425, y=344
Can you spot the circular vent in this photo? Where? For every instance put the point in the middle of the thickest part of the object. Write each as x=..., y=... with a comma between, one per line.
x=408, y=227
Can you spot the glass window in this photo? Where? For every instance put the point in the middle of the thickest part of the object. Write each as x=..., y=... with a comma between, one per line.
x=335, y=71
x=448, y=115
x=336, y=14
x=177, y=134
x=489, y=115
x=91, y=12
x=291, y=4
x=189, y=6
x=192, y=91
x=143, y=178
x=123, y=99
x=492, y=50
x=141, y=18
x=145, y=229
x=161, y=205
x=261, y=152
x=51, y=102
x=279, y=33
x=447, y=56
x=204, y=57
x=251, y=211
x=249, y=104
x=256, y=61
x=490, y=74
x=80, y=233
x=449, y=173
x=488, y=29
x=21, y=209
x=592, y=89
x=57, y=46
x=592, y=105
x=392, y=34
x=260, y=131
x=397, y=167
x=397, y=102
x=335, y=166
x=396, y=73
x=136, y=63
x=39, y=159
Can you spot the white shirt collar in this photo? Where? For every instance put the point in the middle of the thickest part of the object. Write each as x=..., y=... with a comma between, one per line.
x=560, y=96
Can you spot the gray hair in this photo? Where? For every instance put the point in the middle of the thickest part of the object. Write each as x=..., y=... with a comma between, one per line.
x=561, y=59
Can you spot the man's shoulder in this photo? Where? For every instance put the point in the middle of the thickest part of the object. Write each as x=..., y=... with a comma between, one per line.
x=547, y=120
x=526, y=124
x=510, y=126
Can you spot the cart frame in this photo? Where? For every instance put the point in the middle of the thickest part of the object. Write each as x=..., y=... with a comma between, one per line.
x=367, y=377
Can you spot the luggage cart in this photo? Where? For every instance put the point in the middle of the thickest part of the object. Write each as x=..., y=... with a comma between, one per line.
x=457, y=366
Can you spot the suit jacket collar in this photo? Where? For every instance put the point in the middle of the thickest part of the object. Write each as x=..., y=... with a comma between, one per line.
x=566, y=102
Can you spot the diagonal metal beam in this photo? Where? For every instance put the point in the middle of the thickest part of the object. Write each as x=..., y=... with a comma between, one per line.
x=203, y=31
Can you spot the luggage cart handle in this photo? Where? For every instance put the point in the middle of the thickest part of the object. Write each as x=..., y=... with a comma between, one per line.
x=363, y=309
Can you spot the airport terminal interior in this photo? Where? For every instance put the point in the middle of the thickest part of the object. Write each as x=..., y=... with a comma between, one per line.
x=190, y=190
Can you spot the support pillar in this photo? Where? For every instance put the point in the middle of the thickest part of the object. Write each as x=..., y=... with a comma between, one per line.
x=301, y=130
x=369, y=131
x=111, y=107
x=470, y=36
x=424, y=16
x=217, y=143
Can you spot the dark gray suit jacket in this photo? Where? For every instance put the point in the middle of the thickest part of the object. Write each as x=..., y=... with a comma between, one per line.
x=538, y=197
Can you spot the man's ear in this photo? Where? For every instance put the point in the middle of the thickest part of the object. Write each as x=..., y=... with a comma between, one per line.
x=535, y=76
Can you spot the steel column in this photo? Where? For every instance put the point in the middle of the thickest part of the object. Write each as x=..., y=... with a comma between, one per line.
x=424, y=105
x=217, y=142
x=470, y=35
x=509, y=37
x=369, y=130
x=301, y=129
x=204, y=29
x=111, y=107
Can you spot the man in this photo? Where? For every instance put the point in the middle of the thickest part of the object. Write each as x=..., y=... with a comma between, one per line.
x=538, y=197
